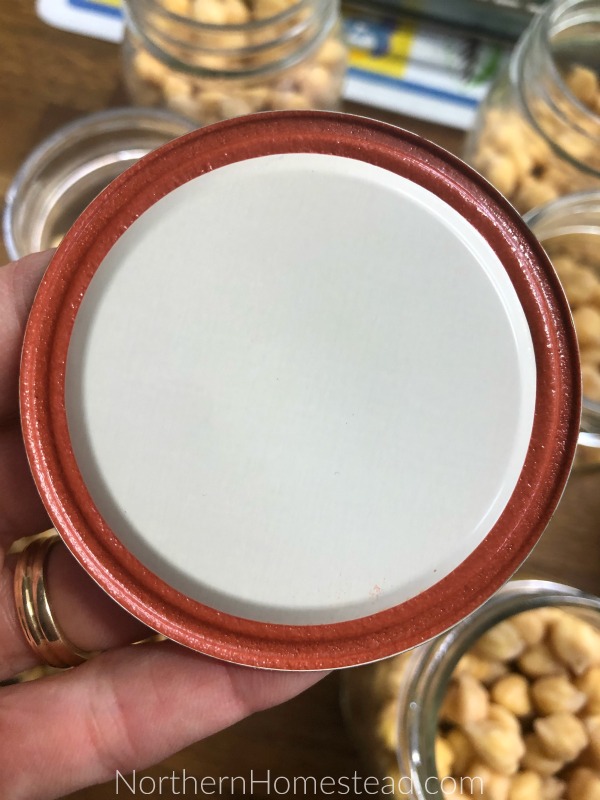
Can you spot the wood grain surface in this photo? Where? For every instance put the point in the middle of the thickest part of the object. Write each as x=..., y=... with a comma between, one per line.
x=47, y=78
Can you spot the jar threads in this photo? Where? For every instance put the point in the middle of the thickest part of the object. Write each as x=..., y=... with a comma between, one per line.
x=215, y=60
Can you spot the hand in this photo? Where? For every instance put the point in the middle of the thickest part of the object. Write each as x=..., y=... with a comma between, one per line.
x=128, y=707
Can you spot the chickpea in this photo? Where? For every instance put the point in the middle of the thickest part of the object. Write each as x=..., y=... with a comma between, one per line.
x=497, y=745
x=332, y=53
x=562, y=735
x=237, y=13
x=233, y=106
x=315, y=81
x=563, y=265
x=180, y=7
x=580, y=286
x=583, y=82
x=502, y=171
x=576, y=643
x=210, y=13
x=584, y=784
x=483, y=669
x=462, y=750
x=591, y=357
x=589, y=684
x=485, y=784
x=466, y=701
x=444, y=757
x=534, y=192
x=587, y=325
x=526, y=786
x=532, y=625
x=576, y=145
x=539, y=660
x=592, y=725
x=553, y=788
x=537, y=759
x=504, y=717
x=556, y=693
x=502, y=642
x=512, y=692
x=183, y=104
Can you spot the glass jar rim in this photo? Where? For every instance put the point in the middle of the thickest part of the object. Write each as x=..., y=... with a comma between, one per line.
x=587, y=201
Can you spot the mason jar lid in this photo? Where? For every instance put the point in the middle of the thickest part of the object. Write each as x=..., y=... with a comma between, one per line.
x=64, y=173
x=300, y=390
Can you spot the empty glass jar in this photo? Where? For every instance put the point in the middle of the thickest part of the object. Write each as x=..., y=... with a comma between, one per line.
x=215, y=59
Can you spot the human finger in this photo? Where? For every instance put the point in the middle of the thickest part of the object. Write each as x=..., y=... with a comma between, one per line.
x=85, y=614
x=124, y=710
x=18, y=284
x=21, y=510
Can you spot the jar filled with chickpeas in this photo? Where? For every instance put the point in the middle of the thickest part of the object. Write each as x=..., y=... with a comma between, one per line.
x=569, y=229
x=537, y=134
x=215, y=59
x=505, y=706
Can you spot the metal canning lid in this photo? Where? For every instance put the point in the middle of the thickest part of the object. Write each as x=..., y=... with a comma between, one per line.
x=64, y=173
x=300, y=390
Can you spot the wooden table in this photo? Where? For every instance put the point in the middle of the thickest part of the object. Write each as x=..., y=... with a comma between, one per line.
x=47, y=78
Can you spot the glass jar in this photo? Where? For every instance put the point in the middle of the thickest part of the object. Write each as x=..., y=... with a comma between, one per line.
x=66, y=171
x=569, y=229
x=429, y=669
x=537, y=134
x=215, y=59
x=391, y=707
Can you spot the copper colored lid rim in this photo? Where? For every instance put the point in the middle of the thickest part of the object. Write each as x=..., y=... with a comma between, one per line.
x=221, y=635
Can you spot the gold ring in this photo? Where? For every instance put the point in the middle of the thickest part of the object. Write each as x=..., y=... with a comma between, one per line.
x=41, y=631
